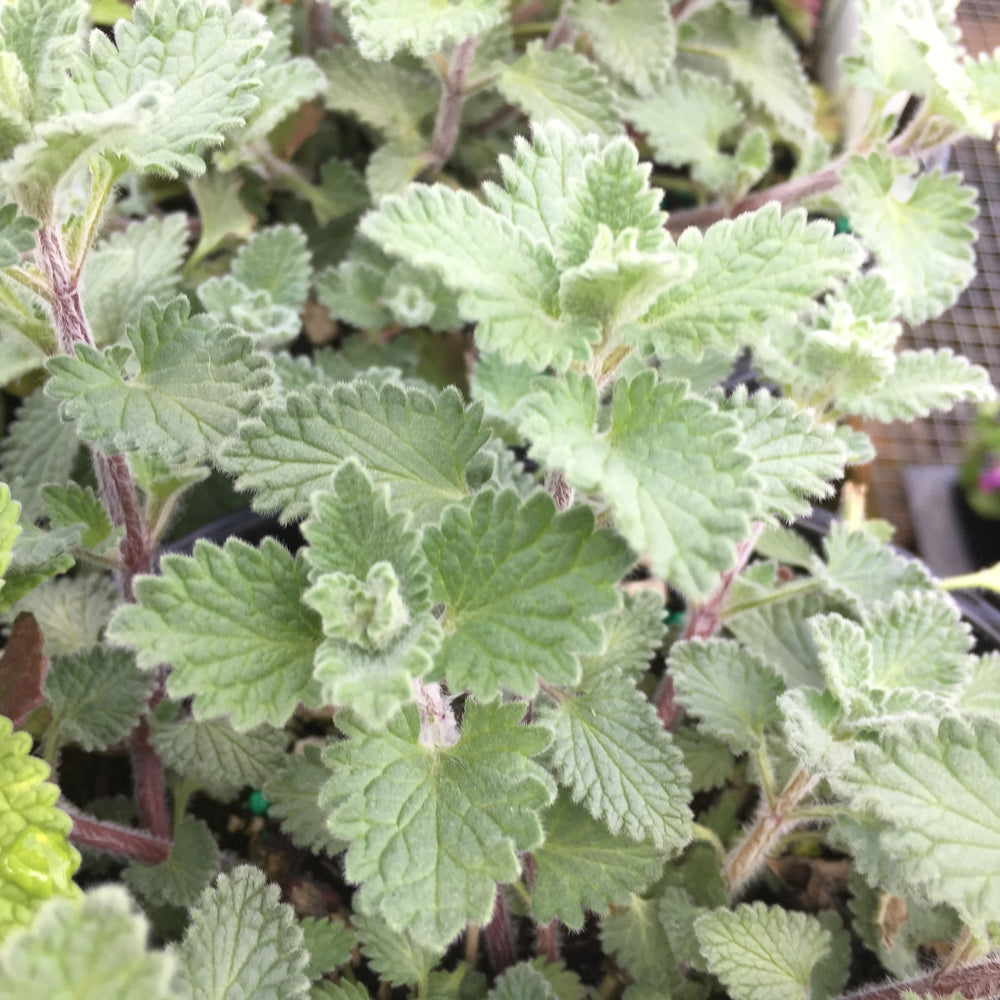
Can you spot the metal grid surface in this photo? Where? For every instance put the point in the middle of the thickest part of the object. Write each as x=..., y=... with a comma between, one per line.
x=971, y=327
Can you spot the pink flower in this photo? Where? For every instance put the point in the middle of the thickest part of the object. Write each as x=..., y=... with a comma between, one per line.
x=989, y=481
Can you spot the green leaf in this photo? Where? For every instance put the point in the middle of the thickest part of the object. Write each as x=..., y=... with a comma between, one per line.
x=329, y=943
x=538, y=179
x=520, y=584
x=393, y=98
x=381, y=28
x=920, y=383
x=97, y=695
x=230, y=301
x=670, y=467
x=344, y=990
x=10, y=512
x=242, y=941
x=922, y=55
x=371, y=291
x=39, y=448
x=37, y=556
x=795, y=460
x=558, y=84
x=217, y=758
x=419, y=445
x=639, y=942
x=709, y=760
x=917, y=227
x=75, y=505
x=581, y=866
x=88, y=948
x=432, y=827
x=610, y=750
x=981, y=694
x=779, y=635
x=36, y=861
x=919, y=640
x=43, y=36
x=759, y=269
x=194, y=381
x=200, y=62
x=732, y=692
x=16, y=235
x=371, y=588
x=286, y=82
x=193, y=863
x=927, y=793
x=898, y=944
x=860, y=569
x=276, y=260
x=221, y=211
x=685, y=118
x=194, y=616
x=632, y=636
x=633, y=39
x=522, y=982
x=756, y=55
x=761, y=952
x=142, y=261
x=396, y=957
x=508, y=282
x=293, y=792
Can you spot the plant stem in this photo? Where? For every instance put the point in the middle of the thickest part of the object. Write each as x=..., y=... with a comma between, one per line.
x=561, y=34
x=548, y=941
x=472, y=945
x=500, y=941
x=118, y=490
x=773, y=822
x=788, y=192
x=449, y=113
x=703, y=622
x=148, y=779
x=978, y=981
x=560, y=491
x=100, y=835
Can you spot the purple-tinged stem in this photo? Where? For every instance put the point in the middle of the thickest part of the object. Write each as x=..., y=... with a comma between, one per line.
x=449, y=114
x=501, y=941
x=561, y=34
x=561, y=492
x=121, y=500
x=547, y=938
x=149, y=780
x=100, y=835
x=703, y=621
x=789, y=192
x=978, y=981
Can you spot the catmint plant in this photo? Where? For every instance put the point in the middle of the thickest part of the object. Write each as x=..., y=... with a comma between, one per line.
x=529, y=673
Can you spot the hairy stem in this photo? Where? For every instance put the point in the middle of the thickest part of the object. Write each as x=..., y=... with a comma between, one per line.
x=118, y=490
x=149, y=781
x=99, y=835
x=977, y=981
x=449, y=113
x=773, y=822
x=561, y=492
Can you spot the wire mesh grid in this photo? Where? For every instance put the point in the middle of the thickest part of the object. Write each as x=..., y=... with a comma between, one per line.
x=971, y=327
